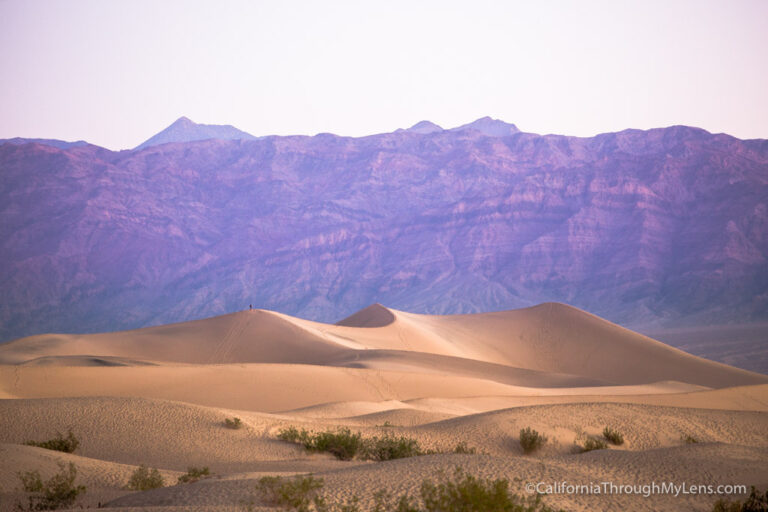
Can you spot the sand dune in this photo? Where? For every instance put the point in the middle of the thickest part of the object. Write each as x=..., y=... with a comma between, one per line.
x=253, y=336
x=108, y=429
x=557, y=338
x=257, y=387
x=746, y=398
x=406, y=475
x=173, y=436
x=104, y=480
x=159, y=396
x=421, y=362
x=84, y=360
x=275, y=388
x=551, y=338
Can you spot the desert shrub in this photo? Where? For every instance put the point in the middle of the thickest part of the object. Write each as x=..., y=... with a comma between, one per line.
x=386, y=424
x=234, y=423
x=267, y=487
x=292, y=435
x=531, y=440
x=59, y=443
x=755, y=502
x=342, y=443
x=144, y=479
x=390, y=447
x=689, y=439
x=299, y=493
x=463, y=448
x=383, y=501
x=194, y=474
x=57, y=492
x=593, y=443
x=461, y=493
x=345, y=444
x=321, y=505
x=614, y=436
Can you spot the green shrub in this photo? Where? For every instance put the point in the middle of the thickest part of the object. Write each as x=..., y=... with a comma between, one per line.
x=531, y=440
x=689, y=439
x=234, y=423
x=345, y=445
x=462, y=493
x=298, y=493
x=390, y=447
x=754, y=503
x=342, y=443
x=292, y=435
x=321, y=505
x=194, y=474
x=614, y=436
x=593, y=443
x=57, y=492
x=463, y=448
x=144, y=479
x=59, y=443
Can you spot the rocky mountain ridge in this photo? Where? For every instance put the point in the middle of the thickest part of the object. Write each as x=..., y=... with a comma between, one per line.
x=665, y=227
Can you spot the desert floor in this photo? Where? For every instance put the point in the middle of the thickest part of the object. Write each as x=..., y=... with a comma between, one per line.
x=159, y=397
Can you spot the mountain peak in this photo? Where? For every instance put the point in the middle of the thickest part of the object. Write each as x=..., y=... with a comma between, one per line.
x=489, y=127
x=186, y=130
x=424, y=127
x=184, y=120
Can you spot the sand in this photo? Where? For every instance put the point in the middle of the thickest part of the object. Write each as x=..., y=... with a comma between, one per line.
x=159, y=396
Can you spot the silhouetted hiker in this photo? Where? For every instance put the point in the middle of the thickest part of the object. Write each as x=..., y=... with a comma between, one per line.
x=250, y=306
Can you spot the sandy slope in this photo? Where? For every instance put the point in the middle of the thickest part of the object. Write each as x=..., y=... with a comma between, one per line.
x=159, y=396
x=172, y=436
x=253, y=336
x=258, y=387
x=104, y=480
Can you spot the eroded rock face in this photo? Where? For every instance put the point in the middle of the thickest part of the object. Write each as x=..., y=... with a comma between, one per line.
x=667, y=227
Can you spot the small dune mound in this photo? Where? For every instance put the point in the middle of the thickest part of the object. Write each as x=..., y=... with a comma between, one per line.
x=91, y=471
x=85, y=361
x=374, y=315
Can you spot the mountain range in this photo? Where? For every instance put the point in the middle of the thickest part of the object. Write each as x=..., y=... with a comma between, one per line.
x=61, y=144
x=664, y=227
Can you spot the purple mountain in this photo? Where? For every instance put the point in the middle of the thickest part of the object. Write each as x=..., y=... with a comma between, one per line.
x=186, y=130
x=61, y=144
x=489, y=127
x=423, y=127
x=665, y=227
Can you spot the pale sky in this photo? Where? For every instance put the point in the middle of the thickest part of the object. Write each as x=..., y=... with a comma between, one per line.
x=116, y=72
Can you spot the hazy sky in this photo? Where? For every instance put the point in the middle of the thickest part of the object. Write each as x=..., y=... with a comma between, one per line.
x=116, y=72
